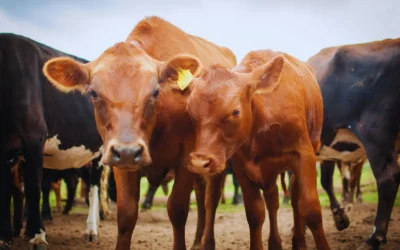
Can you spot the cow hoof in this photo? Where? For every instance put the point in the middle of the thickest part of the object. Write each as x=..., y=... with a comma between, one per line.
x=237, y=199
x=38, y=247
x=196, y=247
x=47, y=217
x=341, y=220
x=101, y=215
x=365, y=246
x=5, y=245
x=146, y=205
x=16, y=233
x=66, y=211
x=91, y=237
x=348, y=207
x=286, y=200
x=359, y=199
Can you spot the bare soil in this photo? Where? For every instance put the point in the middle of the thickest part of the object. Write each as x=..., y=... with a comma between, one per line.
x=154, y=231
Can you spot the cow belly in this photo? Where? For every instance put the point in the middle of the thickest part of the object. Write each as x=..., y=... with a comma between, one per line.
x=345, y=147
x=60, y=159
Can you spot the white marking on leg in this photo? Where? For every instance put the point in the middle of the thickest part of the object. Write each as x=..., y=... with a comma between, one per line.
x=93, y=216
x=345, y=171
x=39, y=238
x=103, y=190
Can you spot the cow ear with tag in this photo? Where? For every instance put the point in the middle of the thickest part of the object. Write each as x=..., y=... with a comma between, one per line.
x=179, y=71
x=67, y=74
x=267, y=76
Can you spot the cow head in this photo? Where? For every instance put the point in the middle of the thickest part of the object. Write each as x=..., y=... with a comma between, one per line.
x=220, y=106
x=125, y=85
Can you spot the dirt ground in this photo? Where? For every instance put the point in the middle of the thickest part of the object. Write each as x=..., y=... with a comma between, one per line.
x=154, y=231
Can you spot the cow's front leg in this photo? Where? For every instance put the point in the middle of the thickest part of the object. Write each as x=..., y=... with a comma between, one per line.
x=128, y=191
x=5, y=200
x=213, y=194
x=33, y=170
x=178, y=205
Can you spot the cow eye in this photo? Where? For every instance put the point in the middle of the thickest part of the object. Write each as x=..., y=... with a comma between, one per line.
x=93, y=94
x=235, y=113
x=155, y=93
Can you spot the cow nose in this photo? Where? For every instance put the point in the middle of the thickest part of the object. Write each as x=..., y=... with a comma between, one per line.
x=200, y=162
x=127, y=153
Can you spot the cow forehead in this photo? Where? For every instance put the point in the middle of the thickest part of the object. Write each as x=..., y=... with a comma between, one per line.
x=122, y=78
x=214, y=100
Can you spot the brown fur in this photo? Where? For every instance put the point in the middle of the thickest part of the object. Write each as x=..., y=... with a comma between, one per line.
x=267, y=120
x=125, y=78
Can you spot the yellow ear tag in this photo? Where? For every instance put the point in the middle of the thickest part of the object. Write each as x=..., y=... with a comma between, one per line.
x=184, y=78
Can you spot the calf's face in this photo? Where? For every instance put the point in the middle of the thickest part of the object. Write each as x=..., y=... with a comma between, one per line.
x=124, y=85
x=221, y=109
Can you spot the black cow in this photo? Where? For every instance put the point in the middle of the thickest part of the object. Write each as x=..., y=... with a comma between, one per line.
x=360, y=88
x=46, y=127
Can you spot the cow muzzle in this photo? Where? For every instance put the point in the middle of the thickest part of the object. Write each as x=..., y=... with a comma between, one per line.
x=204, y=164
x=127, y=155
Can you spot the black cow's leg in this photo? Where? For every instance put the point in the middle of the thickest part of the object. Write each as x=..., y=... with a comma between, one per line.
x=5, y=200
x=148, y=201
x=379, y=143
x=46, y=210
x=18, y=200
x=71, y=179
x=33, y=170
x=91, y=232
x=341, y=220
x=237, y=196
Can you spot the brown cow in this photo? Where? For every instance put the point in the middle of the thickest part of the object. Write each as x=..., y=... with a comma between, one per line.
x=268, y=119
x=137, y=101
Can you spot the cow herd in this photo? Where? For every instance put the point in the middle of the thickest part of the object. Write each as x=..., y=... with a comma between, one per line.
x=166, y=105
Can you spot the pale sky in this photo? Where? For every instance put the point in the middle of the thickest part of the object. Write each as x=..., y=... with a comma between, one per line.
x=301, y=28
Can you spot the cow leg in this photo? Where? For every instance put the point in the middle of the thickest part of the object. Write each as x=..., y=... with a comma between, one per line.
x=237, y=196
x=344, y=168
x=83, y=189
x=271, y=197
x=104, y=209
x=306, y=198
x=298, y=240
x=164, y=186
x=214, y=189
x=92, y=222
x=355, y=181
x=46, y=210
x=223, y=201
x=5, y=200
x=339, y=215
x=56, y=186
x=128, y=191
x=178, y=205
x=200, y=192
x=286, y=194
x=148, y=201
x=286, y=197
x=383, y=160
x=33, y=170
x=18, y=200
x=254, y=206
x=71, y=180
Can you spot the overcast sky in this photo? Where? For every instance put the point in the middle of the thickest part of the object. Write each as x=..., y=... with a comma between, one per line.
x=86, y=28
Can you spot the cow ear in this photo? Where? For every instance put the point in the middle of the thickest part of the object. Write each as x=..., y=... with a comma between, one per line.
x=268, y=75
x=179, y=71
x=67, y=74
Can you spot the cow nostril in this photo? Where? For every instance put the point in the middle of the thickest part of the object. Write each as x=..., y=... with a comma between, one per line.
x=138, y=153
x=115, y=153
x=207, y=164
